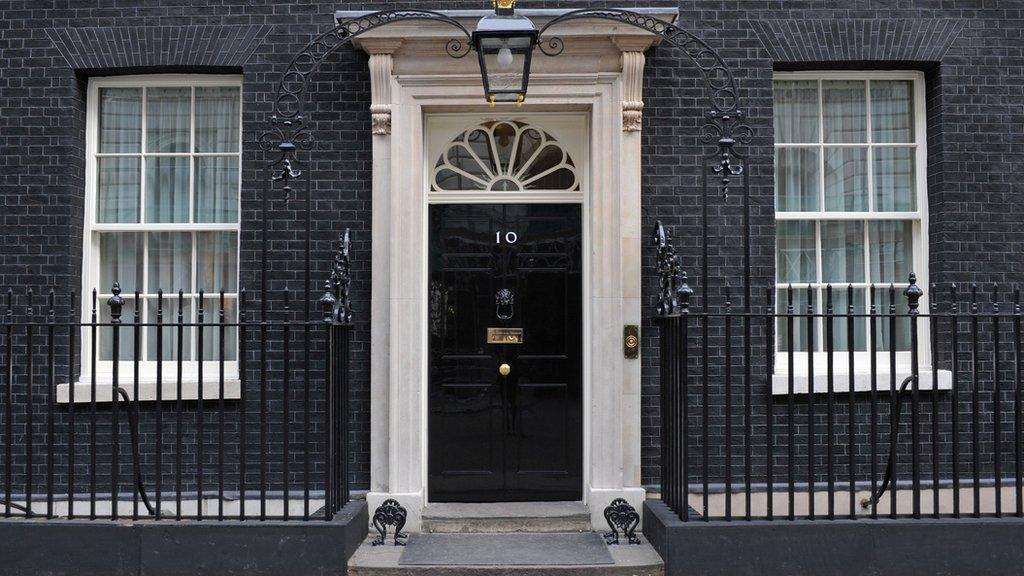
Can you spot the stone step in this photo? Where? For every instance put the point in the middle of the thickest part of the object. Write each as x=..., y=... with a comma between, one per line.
x=507, y=517
x=626, y=560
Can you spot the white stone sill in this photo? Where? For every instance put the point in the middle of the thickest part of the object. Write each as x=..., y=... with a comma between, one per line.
x=861, y=381
x=148, y=389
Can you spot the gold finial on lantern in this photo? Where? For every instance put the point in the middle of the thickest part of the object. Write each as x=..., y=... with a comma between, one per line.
x=503, y=5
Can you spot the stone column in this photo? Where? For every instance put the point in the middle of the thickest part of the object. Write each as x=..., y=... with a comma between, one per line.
x=381, y=62
x=631, y=244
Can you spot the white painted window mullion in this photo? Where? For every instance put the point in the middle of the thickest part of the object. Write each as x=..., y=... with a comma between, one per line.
x=917, y=217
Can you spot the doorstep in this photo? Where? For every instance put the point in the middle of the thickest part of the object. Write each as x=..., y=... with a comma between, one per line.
x=461, y=559
x=506, y=517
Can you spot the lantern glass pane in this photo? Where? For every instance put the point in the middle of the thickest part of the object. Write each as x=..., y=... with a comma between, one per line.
x=504, y=60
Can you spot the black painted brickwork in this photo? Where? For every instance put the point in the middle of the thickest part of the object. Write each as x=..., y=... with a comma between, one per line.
x=971, y=51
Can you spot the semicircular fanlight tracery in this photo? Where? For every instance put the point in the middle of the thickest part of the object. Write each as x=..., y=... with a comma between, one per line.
x=505, y=156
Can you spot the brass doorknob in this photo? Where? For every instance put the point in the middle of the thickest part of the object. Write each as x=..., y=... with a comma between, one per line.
x=504, y=369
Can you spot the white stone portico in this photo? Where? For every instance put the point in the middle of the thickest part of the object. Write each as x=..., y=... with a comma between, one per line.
x=412, y=77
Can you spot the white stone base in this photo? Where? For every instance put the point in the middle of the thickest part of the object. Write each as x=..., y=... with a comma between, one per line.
x=412, y=502
x=599, y=498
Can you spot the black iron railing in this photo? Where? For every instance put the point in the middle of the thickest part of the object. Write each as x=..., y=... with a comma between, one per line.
x=250, y=427
x=807, y=404
x=239, y=411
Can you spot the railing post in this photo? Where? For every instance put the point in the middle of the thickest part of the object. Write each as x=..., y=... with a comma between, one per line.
x=1018, y=368
x=242, y=420
x=954, y=347
x=913, y=294
x=327, y=304
x=685, y=293
x=9, y=407
x=116, y=304
x=997, y=401
x=933, y=330
x=673, y=308
x=51, y=395
x=337, y=317
x=73, y=327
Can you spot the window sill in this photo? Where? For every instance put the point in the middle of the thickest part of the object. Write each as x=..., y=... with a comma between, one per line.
x=861, y=381
x=148, y=389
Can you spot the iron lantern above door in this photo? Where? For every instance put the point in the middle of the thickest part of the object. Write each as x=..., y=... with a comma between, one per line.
x=504, y=44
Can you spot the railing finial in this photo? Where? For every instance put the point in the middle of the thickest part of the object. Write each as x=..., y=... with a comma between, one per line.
x=328, y=301
x=685, y=293
x=913, y=294
x=116, y=303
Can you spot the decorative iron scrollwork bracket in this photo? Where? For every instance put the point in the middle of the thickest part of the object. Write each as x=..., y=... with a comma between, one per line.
x=724, y=117
x=673, y=291
x=286, y=137
x=288, y=133
x=390, y=513
x=336, y=301
x=726, y=129
x=623, y=519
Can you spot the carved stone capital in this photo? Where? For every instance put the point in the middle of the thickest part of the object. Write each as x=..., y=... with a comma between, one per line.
x=380, y=92
x=632, y=90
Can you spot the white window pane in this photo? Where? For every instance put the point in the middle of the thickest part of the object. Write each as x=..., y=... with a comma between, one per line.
x=892, y=111
x=117, y=190
x=167, y=188
x=796, y=111
x=895, y=189
x=125, y=334
x=217, y=261
x=212, y=335
x=170, y=334
x=846, y=179
x=216, y=189
x=796, y=336
x=885, y=339
x=844, y=110
x=796, y=179
x=217, y=118
x=795, y=254
x=120, y=261
x=892, y=250
x=167, y=119
x=120, y=121
x=170, y=262
x=840, y=330
x=842, y=251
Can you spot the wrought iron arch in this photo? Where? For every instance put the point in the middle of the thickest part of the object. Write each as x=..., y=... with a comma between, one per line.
x=288, y=134
x=724, y=127
x=719, y=80
x=724, y=119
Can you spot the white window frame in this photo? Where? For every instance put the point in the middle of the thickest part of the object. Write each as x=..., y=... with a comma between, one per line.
x=861, y=379
x=90, y=263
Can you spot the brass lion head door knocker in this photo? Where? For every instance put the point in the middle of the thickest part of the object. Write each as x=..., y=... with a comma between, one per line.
x=504, y=304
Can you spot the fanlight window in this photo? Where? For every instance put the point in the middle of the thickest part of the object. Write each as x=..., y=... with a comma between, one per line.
x=505, y=156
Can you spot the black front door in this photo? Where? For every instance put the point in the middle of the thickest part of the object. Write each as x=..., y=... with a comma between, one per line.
x=506, y=355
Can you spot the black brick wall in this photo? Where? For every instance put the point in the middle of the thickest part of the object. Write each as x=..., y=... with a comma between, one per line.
x=971, y=51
